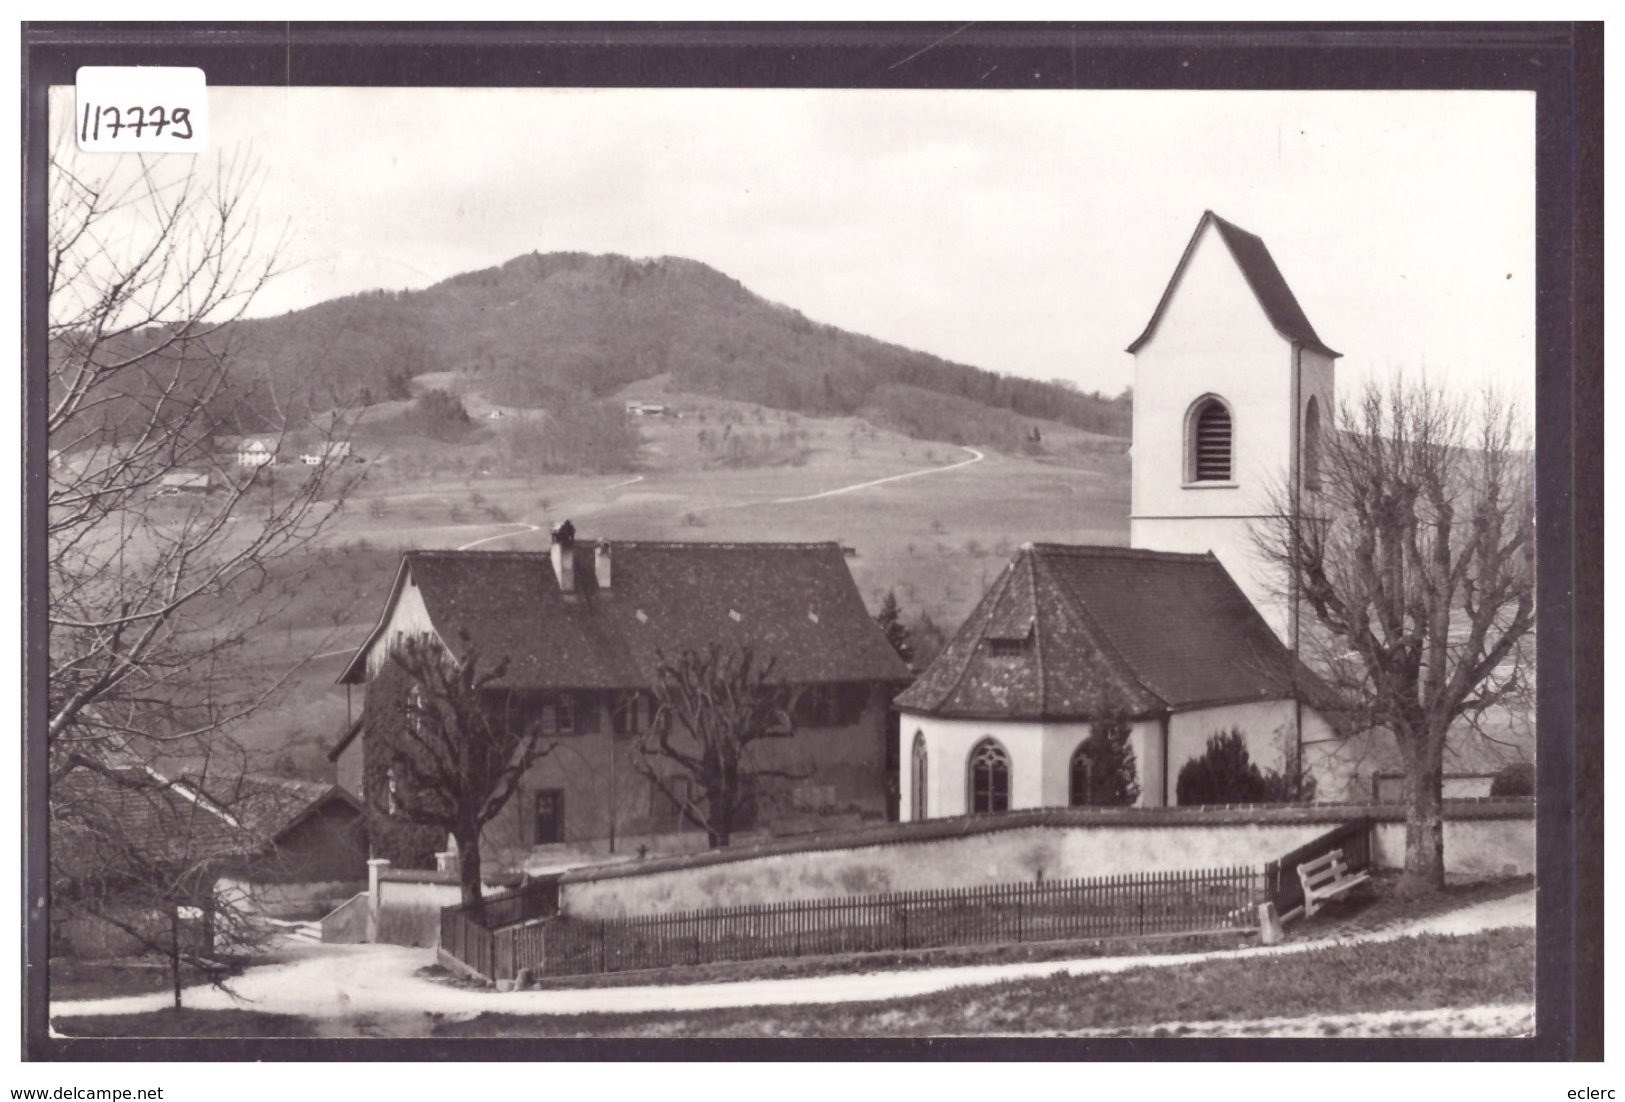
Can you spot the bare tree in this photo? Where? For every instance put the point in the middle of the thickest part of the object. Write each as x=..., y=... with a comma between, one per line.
x=153, y=592
x=1415, y=558
x=712, y=709
x=140, y=867
x=463, y=746
x=163, y=562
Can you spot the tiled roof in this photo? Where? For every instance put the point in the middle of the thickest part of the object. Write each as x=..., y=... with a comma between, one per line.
x=1268, y=285
x=1148, y=631
x=793, y=602
x=115, y=818
x=267, y=806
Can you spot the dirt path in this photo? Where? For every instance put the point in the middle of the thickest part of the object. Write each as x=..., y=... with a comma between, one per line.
x=976, y=457
x=326, y=981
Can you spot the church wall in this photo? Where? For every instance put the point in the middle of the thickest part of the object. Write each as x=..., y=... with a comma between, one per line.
x=1213, y=337
x=1266, y=726
x=1040, y=761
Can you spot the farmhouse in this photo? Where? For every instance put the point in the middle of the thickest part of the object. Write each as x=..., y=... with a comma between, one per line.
x=1185, y=634
x=583, y=630
x=177, y=483
x=257, y=451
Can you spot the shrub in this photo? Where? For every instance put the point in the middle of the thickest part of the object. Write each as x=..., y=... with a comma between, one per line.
x=1516, y=779
x=439, y=414
x=1224, y=774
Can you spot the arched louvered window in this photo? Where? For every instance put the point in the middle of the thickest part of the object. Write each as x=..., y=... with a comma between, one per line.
x=1211, y=444
x=1311, y=445
x=989, y=778
x=917, y=804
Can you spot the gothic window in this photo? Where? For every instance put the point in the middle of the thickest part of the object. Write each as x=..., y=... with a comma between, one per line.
x=414, y=710
x=989, y=778
x=917, y=786
x=1210, y=443
x=1311, y=445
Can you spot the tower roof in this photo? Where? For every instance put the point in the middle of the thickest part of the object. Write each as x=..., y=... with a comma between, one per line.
x=1263, y=276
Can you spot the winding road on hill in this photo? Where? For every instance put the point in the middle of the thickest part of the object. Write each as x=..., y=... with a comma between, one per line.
x=976, y=457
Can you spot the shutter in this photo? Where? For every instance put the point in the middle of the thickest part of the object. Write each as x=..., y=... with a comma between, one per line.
x=1213, y=444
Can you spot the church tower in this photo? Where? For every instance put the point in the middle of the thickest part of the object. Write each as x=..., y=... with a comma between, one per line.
x=1232, y=391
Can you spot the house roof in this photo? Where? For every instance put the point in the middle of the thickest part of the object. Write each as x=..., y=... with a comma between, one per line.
x=267, y=806
x=1149, y=631
x=795, y=603
x=1268, y=285
x=109, y=819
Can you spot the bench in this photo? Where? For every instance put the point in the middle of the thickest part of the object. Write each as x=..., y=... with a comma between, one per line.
x=1326, y=877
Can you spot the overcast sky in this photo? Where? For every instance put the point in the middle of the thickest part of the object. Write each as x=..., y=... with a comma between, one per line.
x=1028, y=232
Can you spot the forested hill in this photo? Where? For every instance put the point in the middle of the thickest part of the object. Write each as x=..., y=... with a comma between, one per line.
x=543, y=328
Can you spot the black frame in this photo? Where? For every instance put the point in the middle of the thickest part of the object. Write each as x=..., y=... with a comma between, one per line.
x=1560, y=62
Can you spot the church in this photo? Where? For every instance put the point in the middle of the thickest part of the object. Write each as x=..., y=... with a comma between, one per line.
x=1187, y=632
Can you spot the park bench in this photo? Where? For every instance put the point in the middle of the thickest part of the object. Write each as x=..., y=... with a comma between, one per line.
x=1326, y=877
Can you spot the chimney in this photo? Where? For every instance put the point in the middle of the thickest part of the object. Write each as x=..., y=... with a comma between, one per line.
x=600, y=563
x=564, y=556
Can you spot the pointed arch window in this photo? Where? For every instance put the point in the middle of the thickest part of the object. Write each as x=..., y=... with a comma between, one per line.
x=1081, y=776
x=1311, y=445
x=1210, y=442
x=989, y=778
x=918, y=777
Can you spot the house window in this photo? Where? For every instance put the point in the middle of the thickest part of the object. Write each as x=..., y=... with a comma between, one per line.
x=559, y=715
x=1210, y=443
x=917, y=803
x=989, y=778
x=1008, y=648
x=1311, y=445
x=414, y=711
x=549, y=816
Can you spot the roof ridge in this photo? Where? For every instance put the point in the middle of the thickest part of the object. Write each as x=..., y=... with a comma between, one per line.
x=1093, y=550
x=1038, y=631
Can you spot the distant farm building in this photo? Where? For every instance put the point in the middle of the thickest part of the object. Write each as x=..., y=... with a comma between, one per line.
x=177, y=483
x=647, y=409
x=257, y=451
x=336, y=451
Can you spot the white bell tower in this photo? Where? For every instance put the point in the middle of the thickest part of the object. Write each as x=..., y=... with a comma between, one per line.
x=1232, y=390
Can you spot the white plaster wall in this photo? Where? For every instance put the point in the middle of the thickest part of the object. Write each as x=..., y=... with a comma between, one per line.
x=410, y=616
x=1473, y=848
x=1040, y=761
x=1000, y=857
x=1266, y=726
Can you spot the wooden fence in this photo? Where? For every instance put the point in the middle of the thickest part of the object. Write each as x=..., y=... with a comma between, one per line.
x=1101, y=907
x=1281, y=884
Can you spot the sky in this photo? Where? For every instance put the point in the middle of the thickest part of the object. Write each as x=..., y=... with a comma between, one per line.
x=1027, y=232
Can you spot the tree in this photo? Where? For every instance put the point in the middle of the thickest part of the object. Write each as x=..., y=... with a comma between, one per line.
x=1110, y=776
x=890, y=619
x=1514, y=779
x=700, y=751
x=1224, y=774
x=1415, y=561
x=463, y=743
x=152, y=602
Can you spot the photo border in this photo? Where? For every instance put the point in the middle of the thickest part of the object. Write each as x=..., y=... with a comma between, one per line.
x=1560, y=62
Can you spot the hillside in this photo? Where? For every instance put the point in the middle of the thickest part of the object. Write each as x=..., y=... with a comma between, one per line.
x=543, y=329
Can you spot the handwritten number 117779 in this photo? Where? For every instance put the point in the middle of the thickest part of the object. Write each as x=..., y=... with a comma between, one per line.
x=155, y=119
